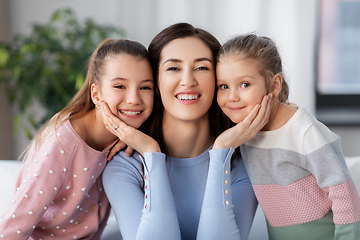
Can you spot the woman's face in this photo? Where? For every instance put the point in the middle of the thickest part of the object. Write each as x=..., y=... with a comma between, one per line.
x=186, y=79
x=128, y=88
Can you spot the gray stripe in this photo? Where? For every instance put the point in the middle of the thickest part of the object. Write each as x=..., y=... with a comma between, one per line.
x=284, y=167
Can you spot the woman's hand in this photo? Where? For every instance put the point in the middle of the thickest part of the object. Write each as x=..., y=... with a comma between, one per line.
x=130, y=136
x=248, y=128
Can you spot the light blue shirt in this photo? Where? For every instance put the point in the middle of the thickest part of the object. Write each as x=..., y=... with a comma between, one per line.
x=160, y=197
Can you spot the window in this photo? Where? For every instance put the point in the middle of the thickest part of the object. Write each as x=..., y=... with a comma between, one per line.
x=338, y=69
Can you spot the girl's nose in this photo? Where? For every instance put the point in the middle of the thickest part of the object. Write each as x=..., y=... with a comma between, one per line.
x=234, y=96
x=133, y=97
x=188, y=78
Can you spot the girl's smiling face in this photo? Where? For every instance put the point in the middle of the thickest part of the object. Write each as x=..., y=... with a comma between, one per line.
x=240, y=86
x=128, y=88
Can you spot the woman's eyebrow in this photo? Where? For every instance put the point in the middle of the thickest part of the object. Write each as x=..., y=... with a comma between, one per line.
x=147, y=80
x=178, y=60
x=202, y=59
x=172, y=60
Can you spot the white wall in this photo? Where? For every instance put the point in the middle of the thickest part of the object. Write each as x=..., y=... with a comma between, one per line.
x=291, y=23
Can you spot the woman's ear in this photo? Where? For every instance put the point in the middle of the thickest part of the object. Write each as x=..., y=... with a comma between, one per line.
x=95, y=94
x=276, y=85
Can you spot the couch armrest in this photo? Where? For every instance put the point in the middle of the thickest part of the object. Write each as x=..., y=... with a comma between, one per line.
x=353, y=164
x=9, y=171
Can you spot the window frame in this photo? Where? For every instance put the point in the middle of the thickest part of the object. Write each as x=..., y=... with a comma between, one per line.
x=334, y=109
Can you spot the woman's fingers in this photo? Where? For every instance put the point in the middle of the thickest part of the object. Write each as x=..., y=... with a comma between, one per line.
x=129, y=151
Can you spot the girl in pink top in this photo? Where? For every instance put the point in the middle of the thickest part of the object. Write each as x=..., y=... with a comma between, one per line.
x=59, y=191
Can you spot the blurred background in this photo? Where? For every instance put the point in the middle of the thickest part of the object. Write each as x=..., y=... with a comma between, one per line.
x=318, y=41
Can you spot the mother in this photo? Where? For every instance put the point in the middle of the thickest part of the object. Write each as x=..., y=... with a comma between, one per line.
x=182, y=183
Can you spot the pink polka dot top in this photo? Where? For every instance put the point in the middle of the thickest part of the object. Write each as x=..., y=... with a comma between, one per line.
x=59, y=191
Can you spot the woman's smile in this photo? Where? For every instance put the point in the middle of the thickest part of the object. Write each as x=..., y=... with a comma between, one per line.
x=190, y=97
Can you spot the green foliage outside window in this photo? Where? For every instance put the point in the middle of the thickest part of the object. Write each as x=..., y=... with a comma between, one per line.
x=49, y=65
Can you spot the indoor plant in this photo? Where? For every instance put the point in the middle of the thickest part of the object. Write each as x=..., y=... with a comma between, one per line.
x=49, y=65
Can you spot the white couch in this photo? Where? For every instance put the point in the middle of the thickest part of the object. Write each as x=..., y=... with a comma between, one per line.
x=10, y=169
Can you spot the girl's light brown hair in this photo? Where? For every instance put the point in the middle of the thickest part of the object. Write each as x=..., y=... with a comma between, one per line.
x=81, y=103
x=261, y=49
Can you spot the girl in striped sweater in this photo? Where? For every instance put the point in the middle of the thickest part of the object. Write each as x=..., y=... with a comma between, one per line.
x=295, y=164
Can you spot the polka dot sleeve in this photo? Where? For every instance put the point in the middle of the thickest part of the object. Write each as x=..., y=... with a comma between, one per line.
x=40, y=179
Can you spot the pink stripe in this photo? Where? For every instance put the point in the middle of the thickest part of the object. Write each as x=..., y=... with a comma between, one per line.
x=346, y=202
x=304, y=201
x=300, y=202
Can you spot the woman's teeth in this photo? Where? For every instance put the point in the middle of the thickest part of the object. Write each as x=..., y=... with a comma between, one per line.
x=187, y=96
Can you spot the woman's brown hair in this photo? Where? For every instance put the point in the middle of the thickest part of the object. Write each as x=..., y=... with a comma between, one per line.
x=176, y=31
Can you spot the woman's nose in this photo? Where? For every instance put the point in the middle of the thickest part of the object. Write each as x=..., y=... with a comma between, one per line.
x=188, y=78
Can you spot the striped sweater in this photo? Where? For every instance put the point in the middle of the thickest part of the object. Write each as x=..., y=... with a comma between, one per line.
x=301, y=181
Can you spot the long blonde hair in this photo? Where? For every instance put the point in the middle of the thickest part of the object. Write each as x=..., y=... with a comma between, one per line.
x=81, y=103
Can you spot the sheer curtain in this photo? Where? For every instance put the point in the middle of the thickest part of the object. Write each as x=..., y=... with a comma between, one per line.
x=291, y=23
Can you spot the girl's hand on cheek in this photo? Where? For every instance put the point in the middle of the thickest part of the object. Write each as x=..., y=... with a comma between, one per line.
x=248, y=128
x=130, y=136
x=262, y=118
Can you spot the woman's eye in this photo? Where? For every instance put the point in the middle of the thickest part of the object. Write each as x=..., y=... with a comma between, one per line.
x=202, y=68
x=172, y=69
x=245, y=85
x=223, y=86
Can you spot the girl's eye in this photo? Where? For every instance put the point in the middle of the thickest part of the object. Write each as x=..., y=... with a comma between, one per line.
x=223, y=86
x=245, y=85
x=146, y=88
x=119, y=86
